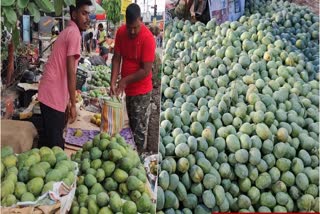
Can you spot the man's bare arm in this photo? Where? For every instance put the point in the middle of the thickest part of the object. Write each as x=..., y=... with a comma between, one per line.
x=116, y=60
x=140, y=74
x=71, y=73
x=135, y=77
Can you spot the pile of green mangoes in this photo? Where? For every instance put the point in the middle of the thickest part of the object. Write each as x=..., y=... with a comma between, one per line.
x=100, y=68
x=111, y=179
x=100, y=78
x=26, y=176
x=97, y=93
x=239, y=126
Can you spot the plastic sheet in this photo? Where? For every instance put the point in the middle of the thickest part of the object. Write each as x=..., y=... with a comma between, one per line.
x=126, y=133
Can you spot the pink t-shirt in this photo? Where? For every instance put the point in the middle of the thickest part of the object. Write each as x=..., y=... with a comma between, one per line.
x=53, y=87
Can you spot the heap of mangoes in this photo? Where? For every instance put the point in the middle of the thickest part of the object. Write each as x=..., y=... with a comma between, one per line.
x=26, y=176
x=97, y=93
x=101, y=68
x=96, y=119
x=100, y=79
x=78, y=96
x=111, y=178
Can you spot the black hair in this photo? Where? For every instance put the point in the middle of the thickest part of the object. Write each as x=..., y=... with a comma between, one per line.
x=79, y=4
x=100, y=25
x=133, y=13
x=90, y=35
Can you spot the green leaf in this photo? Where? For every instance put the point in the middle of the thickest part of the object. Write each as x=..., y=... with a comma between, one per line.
x=45, y=5
x=58, y=5
x=33, y=9
x=19, y=11
x=37, y=16
x=7, y=24
x=15, y=36
x=5, y=3
x=10, y=14
x=70, y=2
x=22, y=3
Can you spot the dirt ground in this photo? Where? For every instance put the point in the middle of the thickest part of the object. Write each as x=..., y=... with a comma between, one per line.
x=153, y=127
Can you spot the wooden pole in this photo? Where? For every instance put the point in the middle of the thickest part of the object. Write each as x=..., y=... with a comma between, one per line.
x=10, y=62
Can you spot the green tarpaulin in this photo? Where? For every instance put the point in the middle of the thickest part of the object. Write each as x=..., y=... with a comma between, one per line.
x=99, y=9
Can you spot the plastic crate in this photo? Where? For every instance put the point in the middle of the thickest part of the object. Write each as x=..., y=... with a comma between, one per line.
x=81, y=78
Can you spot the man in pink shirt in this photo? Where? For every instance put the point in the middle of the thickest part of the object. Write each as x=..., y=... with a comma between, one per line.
x=58, y=84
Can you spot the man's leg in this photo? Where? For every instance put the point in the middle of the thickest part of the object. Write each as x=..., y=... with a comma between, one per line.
x=53, y=123
x=94, y=44
x=137, y=108
x=88, y=46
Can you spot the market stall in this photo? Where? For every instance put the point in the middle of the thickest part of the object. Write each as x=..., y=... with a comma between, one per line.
x=94, y=82
x=52, y=180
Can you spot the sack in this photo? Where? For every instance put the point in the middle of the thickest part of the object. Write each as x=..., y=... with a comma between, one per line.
x=112, y=115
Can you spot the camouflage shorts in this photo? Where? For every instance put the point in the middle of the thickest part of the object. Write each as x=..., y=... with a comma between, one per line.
x=138, y=108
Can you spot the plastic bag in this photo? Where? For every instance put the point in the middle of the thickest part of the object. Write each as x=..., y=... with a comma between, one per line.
x=112, y=115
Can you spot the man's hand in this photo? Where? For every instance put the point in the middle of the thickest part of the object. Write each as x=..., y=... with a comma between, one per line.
x=103, y=41
x=116, y=60
x=113, y=89
x=72, y=88
x=72, y=114
x=122, y=84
